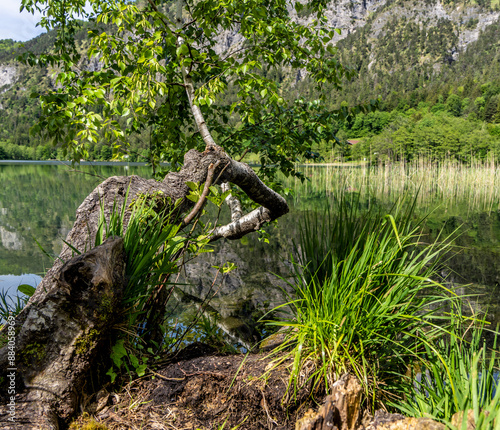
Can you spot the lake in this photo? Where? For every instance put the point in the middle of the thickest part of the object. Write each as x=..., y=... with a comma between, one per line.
x=38, y=204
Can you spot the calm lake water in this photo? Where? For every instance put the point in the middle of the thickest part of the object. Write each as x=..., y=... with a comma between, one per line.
x=38, y=204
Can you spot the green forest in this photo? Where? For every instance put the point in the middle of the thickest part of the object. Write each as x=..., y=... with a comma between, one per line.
x=435, y=100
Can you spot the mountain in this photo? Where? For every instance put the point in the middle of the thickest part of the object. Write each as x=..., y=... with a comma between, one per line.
x=407, y=52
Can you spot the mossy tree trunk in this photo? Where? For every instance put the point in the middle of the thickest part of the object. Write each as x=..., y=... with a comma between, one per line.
x=61, y=338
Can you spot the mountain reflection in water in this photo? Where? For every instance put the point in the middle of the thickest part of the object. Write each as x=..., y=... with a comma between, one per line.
x=38, y=204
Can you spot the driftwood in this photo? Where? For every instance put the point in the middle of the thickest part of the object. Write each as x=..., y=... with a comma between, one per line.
x=341, y=410
x=63, y=316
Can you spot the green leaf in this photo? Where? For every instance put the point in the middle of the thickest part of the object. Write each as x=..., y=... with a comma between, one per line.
x=26, y=289
x=141, y=369
x=192, y=185
x=118, y=351
x=182, y=50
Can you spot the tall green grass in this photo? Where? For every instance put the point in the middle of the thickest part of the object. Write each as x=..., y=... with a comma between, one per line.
x=155, y=249
x=152, y=247
x=367, y=301
x=458, y=377
x=363, y=298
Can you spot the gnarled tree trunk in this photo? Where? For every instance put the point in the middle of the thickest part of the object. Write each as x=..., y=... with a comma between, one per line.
x=61, y=338
x=60, y=334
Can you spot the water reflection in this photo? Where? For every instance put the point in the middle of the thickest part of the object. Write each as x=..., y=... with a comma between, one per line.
x=10, y=283
x=10, y=239
x=38, y=204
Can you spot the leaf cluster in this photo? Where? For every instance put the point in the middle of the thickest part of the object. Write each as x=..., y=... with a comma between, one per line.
x=144, y=55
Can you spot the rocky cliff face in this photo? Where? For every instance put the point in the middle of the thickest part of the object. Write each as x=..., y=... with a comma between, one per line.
x=468, y=21
x=453, y=25
x=347, y=15
x=8, y=75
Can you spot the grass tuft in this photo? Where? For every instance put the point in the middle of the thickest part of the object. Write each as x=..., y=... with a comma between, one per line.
x=364, y=301
x=457, y=378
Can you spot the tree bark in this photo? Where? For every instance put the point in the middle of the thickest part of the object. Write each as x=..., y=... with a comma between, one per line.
x=61, y=340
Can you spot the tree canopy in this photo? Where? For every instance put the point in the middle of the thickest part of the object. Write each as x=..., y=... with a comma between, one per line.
x=167, y=70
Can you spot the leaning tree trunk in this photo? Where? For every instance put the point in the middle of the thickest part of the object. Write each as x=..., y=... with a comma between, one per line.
x=60, y=334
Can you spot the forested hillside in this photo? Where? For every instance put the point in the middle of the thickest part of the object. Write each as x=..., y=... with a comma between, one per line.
x=435, y=65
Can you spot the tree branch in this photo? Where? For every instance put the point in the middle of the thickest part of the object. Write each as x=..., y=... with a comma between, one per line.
x=252, y=221
x=195, y=109
x=204, y=194
x=162, y=16
x=272, y=204
x=233, y=203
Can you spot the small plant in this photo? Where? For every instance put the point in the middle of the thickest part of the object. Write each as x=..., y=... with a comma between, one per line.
x=155, y=248
x=13, y=305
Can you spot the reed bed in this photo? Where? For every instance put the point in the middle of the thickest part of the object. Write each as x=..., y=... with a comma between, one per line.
x=450, y=184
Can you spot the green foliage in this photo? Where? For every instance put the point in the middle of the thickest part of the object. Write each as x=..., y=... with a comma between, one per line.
x=460, y=374
x=140, y=88
x=9, y=305
x=368, y=307
x=434, y=136
x=126, y=359
x=153, y=247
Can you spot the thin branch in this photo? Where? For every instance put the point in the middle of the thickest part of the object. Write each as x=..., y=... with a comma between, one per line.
x=231, y=53
x=244, y=153
x=176, y=83
x=204, y=194
x=189, y=23
x=233, y=203
x=195, y=109
x=163, y=18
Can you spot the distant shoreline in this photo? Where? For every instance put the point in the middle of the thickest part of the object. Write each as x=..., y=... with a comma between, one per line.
x=142, y=163
x=81, y=163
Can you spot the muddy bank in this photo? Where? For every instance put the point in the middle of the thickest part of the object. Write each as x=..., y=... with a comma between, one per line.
x=208, y=391
x=203, y=392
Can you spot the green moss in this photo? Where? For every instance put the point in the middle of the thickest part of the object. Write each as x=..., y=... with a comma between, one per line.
x=3, y=340
x=86, y=341
x=32, y=352
x=106, y=307
x=86, y=422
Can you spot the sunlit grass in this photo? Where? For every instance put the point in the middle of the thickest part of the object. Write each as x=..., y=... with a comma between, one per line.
x=367, y=301
x=450, y=184
x=458, y=378
x=364, y=296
